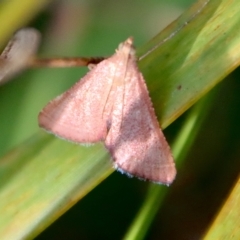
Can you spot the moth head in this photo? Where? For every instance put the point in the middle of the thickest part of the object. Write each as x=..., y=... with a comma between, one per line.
x=127, y=47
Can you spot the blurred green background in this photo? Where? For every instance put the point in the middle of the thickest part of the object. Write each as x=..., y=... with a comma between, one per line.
x=95, y=28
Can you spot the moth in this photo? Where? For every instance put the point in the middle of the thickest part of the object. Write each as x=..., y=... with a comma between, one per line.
x=111, y=104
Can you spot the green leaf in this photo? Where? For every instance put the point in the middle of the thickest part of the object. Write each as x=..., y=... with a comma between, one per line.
x=15, y=14
x=44, y=176
x=196, y=52
x=226, y=223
